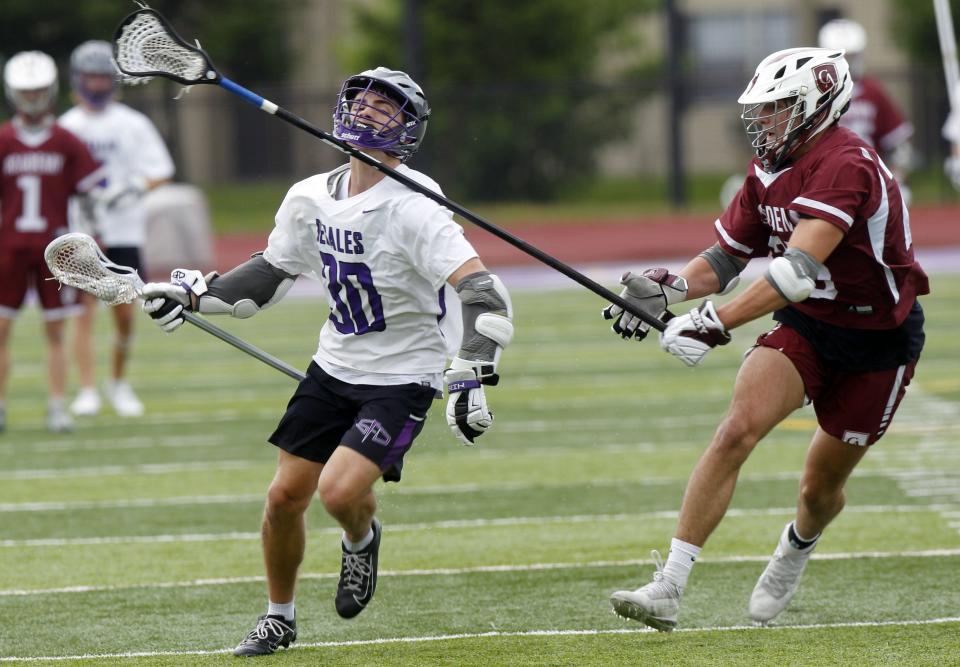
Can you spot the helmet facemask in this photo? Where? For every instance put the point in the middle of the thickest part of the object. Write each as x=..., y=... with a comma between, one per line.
x=88, y=87
x=772, y=128
x=374, y=113
x=33, y=103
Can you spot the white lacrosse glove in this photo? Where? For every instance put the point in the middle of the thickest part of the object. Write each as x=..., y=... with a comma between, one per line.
x=467, y=413
x=119, y=195
x=650, y=293
x=689, y=337
x=166, y=302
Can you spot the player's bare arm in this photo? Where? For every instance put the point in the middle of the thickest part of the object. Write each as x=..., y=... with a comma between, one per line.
x=816, y=240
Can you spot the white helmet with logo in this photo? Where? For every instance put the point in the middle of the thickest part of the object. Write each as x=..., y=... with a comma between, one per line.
x=26, y=72
x=794, y=95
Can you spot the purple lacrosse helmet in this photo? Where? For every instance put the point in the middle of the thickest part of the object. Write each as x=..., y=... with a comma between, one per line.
x=401, y=135
x=94, y=57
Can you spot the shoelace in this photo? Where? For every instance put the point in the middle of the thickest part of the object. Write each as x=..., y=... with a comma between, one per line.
x=668, y=586
x=266, y=626
x=356, y=571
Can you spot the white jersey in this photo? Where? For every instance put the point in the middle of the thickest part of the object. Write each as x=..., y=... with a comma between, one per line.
x=127, y=144
x=384, y=256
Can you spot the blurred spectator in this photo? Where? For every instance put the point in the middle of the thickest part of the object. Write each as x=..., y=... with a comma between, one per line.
x=136, y=161
x=43, y=165
x=872, y=113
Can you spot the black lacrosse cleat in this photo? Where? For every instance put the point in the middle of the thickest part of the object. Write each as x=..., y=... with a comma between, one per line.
x=270, y=633
x=358, y=576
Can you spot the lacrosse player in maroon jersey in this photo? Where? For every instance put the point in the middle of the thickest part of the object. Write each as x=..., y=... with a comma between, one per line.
x=390, y=259
x=41, y=166
x=872, y=114
x=842, y=287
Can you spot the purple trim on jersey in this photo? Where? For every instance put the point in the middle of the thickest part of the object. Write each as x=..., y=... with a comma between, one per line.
x=400, y=445
x=442, y=300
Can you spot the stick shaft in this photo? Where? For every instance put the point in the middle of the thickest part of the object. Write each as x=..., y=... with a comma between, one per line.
x=242, y=345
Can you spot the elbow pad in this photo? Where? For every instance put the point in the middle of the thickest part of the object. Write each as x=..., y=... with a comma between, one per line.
x=726, y=266
x=794, y=274
x=487, y=324
x=245, y=290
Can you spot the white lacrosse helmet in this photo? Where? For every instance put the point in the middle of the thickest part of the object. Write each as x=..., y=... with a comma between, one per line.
x=843, y=34
x=26, y=72
x=794, y=95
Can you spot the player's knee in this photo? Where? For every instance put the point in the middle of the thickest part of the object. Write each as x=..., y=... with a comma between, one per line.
x=736, y=436
x=284, y=501
x=338, y=499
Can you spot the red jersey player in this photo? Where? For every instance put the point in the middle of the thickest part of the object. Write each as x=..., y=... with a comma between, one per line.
x=843, y=287
x=41, y=166
x=872, y=114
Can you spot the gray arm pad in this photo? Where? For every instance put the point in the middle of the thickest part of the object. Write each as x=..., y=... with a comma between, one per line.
x=726, y=266
x=487, y=315
x=246, y=289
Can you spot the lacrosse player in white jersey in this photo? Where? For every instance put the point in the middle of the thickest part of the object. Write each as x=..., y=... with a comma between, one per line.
x=386, y=255
x=136, y=161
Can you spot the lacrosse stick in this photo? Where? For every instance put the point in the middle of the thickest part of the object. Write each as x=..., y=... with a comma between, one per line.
x=76, y=260
x=145, y=45
x=948, y=49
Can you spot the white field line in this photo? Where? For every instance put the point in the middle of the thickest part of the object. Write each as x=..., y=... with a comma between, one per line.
x=242, y=464
x=142, y=469
x=451, y=524
x=479, y=569
x=174, y=501
x=497, y=634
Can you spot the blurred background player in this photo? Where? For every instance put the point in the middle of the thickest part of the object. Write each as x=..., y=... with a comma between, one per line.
x=42, y=166
x=136, y=161
x=872, y=114
x=842, y=287
x=389, y=257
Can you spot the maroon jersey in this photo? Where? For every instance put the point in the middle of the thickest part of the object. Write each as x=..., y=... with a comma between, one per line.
x=874, y=116
x=39, y=170
x=871, y=279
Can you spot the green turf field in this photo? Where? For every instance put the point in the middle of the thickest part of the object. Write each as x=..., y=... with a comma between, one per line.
x=137, y=542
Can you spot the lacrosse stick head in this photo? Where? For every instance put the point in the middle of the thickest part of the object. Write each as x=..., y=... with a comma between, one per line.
x=76, y=260
x=145, y=45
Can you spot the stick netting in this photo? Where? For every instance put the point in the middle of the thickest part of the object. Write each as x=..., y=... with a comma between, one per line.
x=75, y=260
x=146, y=46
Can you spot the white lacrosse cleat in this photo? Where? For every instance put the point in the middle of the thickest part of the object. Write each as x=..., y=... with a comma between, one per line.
x=125, y=402
x=657, y=604
x=87, y=403
x=779, y=580
x=58, y=419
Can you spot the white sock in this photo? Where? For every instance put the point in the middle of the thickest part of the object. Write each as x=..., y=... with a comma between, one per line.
x=285, y=610
x=680, y=561
x=354, y=547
